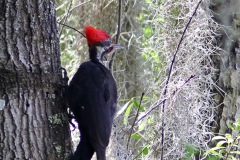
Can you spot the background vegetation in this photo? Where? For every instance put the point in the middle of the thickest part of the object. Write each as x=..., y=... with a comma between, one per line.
x=150, y=32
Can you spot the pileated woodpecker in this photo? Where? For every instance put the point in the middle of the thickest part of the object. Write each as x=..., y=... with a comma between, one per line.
x=93, y=97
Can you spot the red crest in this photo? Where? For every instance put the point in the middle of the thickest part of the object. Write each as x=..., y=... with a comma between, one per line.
x=94, y=35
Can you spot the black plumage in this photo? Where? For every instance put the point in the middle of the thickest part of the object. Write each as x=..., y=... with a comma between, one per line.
x=93, y=101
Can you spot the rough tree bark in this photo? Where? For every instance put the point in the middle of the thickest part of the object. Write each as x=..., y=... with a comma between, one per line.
x=33, y=117
x=226, y=13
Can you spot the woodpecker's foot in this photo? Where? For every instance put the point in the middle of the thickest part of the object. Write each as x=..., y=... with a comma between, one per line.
x=65, y=77
x=70, y=117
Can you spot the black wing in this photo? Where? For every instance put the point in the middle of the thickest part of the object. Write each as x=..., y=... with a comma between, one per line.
x=93, y=98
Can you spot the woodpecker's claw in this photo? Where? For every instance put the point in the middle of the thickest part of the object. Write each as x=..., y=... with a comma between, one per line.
x=70, y=117
x=65, y=77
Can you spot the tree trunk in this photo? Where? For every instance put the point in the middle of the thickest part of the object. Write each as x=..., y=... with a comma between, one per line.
x=226, y=13
x=33, y=117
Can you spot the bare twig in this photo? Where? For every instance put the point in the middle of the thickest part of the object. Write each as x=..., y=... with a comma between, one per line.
x=118, y=32
x=191, y=77
x=135, y=119
x=66, y=16
x=79, y=5
x=169, y=75
x=72, y=28
x=119, y=21
x=173, y=93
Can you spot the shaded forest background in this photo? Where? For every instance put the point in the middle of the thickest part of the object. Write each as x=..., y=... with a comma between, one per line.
x=203, y=90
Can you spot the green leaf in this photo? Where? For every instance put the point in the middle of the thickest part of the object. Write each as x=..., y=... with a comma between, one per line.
x=238, y=128
x=145, y=151
x=231, y=126
x=218, y=137
x=136, y=136
x=123, y=100
x=223, y=151
x=213, y=152
x=136, y=104
x=122, y=109
x=213, y=149
x=237, y=124
x=230, y=139
x=233, y=158
x=227, y=135
x=220, y=143
x=211, y=157
x=144, y=98
x=235, y=152
x=128, y=110
x=216, y=148
x=236, y=146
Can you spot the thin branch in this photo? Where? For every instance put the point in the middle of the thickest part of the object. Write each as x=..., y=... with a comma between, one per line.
x=119, y=21
x=66, y=16
x=72, y=28
x=169, y=75
x=118, y=32
x=135, y=119
x=79, y=5
x=173, y=93
x=140, y=153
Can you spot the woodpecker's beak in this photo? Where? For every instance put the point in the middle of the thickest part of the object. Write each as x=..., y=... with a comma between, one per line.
x=111, y=49
x=116, y=46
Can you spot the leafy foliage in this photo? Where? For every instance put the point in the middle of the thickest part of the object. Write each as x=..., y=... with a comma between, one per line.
x=134, y=103
x=227, y=145
x=191, y=152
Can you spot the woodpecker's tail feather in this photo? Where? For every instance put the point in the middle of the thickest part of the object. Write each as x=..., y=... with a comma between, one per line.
x=84, y=149
x=101, y=153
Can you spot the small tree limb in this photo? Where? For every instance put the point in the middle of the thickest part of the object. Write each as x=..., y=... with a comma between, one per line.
x=135, y=119
x=118, y=33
